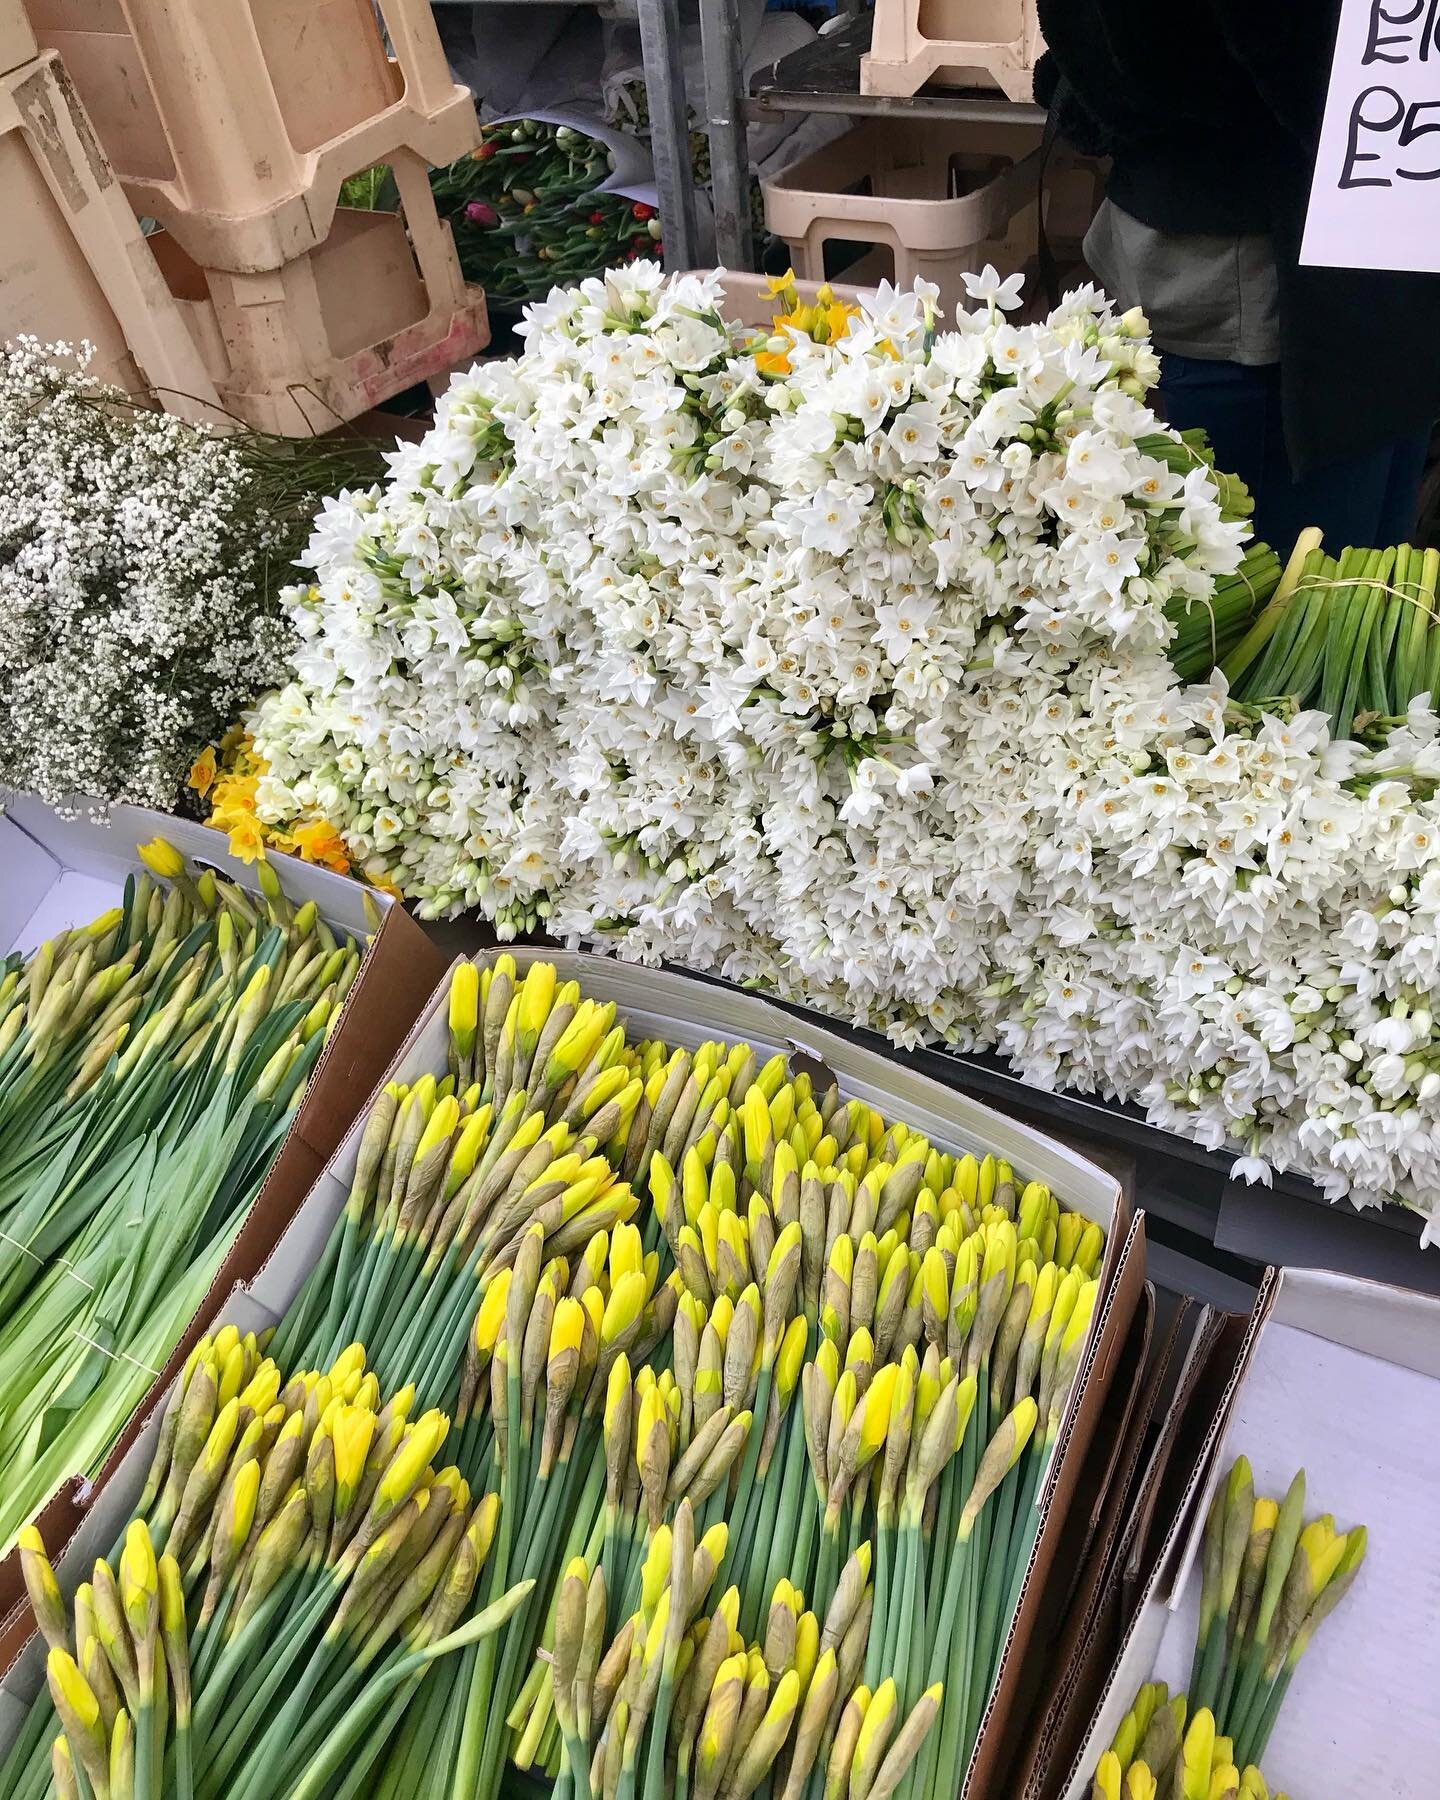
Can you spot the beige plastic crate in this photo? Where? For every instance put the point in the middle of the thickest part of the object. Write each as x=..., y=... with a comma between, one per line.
x=73, y=262
x=378, y=307
x=17, y=40
x=942, y=198
x=957, y=43
x=234, y=122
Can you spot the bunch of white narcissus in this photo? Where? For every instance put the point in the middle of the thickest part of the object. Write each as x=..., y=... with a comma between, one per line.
x=839, y=667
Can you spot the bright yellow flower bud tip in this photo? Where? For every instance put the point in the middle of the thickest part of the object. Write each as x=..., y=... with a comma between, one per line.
x=1140, y=1784
x=567, y=1329
x=440, y=1125
x=1079, y=1321
x=879, y=1713
x=537, y=993
x=464, y=1000
x=76, y=1692
x=139, y=1575
x=1323, y=1549
x=627, y=1298
x=29, y=1538
x=655, y=1571
x=161, y=858
x=172, y=1592
x=491, y=1314
x=1107, y=1777
x=353, y=1430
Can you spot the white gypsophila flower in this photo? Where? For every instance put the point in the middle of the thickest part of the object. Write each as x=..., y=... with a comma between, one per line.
x=134, y=563
x=839, y=668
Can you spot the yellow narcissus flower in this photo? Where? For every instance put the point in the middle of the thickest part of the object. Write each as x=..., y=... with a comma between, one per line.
x=1140, y=1784
x=791, y=1357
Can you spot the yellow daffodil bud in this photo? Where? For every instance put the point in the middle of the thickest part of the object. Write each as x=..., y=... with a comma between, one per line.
x=464, y=1006
x=627, y=1299
x=161, y=858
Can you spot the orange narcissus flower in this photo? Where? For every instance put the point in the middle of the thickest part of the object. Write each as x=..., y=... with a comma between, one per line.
x=202, y=771
x=319, y=842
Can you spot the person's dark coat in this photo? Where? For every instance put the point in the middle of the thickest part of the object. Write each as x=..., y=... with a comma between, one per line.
x=1211, y=113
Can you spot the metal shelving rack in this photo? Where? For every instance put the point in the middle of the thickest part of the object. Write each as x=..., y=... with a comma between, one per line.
x=821, y=77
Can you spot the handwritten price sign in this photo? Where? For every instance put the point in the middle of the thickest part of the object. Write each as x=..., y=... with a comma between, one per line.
x=1375, y=197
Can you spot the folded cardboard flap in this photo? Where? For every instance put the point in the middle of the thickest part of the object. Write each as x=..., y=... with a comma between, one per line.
x=70, y=870
x=1115, y=1684
x=1185, y=1385
x=1099, y=1504
x=1341, y=1378
x=1206, y=1377
x=1046, y=1728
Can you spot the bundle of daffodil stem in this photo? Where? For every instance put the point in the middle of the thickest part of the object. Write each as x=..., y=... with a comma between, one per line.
x=1269, y=1579
x=297, y=1566
x=150, y=1063
x=643, y=1279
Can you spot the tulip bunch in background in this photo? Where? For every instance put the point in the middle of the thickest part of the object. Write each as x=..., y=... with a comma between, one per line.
x=643, y=1279
x=527, y=209
x=1269, y=1579
x=150, y=1064
x=297, y=1564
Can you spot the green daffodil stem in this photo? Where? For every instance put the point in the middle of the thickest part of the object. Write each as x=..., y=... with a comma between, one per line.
x=380, y=1691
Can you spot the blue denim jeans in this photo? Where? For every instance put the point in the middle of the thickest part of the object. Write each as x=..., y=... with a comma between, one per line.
x=1364, y=500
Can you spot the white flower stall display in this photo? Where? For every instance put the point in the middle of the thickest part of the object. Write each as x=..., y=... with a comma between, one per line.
x=839, y=667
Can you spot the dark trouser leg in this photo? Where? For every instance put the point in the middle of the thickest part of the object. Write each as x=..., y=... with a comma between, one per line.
x=1364, y=500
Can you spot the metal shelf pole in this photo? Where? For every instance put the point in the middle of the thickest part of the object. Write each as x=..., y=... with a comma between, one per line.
x=669, y=129
x=725, y=125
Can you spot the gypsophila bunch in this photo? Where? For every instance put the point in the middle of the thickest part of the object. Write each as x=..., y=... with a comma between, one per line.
x=835, y=661
x=140, y=560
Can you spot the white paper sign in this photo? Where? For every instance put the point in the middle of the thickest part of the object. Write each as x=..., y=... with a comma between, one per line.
x=1375, y=197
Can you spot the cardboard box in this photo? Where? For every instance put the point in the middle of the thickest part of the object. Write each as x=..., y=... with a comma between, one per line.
x=64, y=872
x=686, y=1012
x=1100, y=1497
x=1342, y=1378
x=1184, y=1385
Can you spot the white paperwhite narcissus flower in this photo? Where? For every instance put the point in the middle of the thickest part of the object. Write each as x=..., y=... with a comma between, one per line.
x=841, y=670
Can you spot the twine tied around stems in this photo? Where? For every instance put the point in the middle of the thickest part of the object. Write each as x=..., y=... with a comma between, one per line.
x=1321, y=582
x=59, y=1262
x=1204, y=600
x=115, y=1355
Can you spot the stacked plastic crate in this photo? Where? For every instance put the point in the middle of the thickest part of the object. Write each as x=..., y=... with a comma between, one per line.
x=73, y=263
x=234, y=127
x=957, y=43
